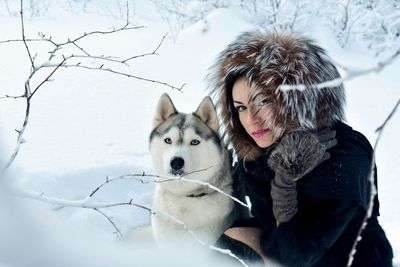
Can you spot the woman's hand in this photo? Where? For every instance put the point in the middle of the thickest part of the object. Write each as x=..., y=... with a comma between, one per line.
x=299, y=152
x=295, y=155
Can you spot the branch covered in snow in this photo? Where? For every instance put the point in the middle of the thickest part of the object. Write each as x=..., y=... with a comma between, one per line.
x=89, y=203
x=146, y=178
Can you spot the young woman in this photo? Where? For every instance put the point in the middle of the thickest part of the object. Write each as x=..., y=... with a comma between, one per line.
x=304, y=170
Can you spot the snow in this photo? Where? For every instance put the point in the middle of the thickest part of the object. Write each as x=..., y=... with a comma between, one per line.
x=86, y=125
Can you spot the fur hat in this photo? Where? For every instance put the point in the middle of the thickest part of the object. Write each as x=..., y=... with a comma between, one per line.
x=267, y=61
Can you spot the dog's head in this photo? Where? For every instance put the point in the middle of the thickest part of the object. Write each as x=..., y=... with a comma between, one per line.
x=185, y=144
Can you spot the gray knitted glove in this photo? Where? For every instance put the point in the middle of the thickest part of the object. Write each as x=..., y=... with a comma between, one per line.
x=297, y=154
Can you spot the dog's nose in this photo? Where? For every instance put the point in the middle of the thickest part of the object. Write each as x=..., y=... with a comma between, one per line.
x=177, y=163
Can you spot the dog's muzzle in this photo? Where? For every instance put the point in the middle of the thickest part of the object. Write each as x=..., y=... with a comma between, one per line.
x=177, y=164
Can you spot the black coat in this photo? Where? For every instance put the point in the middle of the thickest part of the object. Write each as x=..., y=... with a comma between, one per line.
x=332, y=203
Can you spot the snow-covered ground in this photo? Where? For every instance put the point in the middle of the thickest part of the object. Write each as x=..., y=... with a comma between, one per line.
x=86, y=125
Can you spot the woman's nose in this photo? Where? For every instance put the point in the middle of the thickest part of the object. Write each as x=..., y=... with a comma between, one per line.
x=253, y=118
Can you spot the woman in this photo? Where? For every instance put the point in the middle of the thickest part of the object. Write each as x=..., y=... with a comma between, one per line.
x=303, y=169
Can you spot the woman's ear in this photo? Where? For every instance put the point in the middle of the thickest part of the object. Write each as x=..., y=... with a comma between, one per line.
x=207, y=114
x=165, y=109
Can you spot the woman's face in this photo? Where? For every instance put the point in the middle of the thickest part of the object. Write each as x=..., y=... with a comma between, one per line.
x=253, y=124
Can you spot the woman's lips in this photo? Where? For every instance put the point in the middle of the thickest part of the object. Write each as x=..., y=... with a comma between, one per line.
x=259, y=133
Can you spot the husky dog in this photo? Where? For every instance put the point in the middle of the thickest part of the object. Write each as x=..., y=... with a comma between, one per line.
x=188, y=145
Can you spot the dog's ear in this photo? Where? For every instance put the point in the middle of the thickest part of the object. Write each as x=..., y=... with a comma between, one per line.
x=165, y=109
x=207, y=113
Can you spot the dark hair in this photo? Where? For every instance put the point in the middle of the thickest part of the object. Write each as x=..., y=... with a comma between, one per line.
x=229, y=82
x=234, y=120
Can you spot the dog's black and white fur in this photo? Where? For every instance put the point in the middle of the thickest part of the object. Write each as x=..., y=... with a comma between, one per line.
x=188, y=146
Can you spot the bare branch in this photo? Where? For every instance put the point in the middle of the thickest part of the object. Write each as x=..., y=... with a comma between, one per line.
x=57, y=65
x=105, y=58
x=123, y=28
x=371, y=179
x=214, y=188
x=84, y=35
x=22, y=40
x=80, y=48
x=350, y=75
x=117, y=231
x=12, y=97
x=163, y=179
x=58, y=46
x=380, y=128
x=295, y=15
x=101, y=67
x=27, y=94
x=23, y=35
x=47, y=78
x=147, y=54
x=20, y=139
x=127, y=12
x=86, y=202
x=89, y=204
x=21, y=131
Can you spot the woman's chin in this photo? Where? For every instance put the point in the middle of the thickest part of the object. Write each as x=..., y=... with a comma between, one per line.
x=264, y=143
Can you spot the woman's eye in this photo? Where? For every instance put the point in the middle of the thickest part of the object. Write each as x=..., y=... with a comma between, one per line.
x=240, y=108
x=263, y=102
x=168, y=140
x=194, y=142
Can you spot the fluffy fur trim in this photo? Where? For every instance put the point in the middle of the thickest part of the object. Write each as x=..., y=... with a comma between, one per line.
x=267, y=61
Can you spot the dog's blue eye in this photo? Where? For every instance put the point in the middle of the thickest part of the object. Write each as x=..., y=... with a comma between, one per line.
x=195, y=142
x=168, y=140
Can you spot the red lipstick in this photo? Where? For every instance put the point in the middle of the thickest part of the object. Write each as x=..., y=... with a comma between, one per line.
x=259, y=133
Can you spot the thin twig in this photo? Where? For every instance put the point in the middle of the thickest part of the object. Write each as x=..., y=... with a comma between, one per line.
x=147, y=54
x=12, y=97
x=101, y=68
x=127, y=12
x=117, y=231
x=47, y=78
x=108, y=58
x=23, y=36
x=380, y=128
x=80, y=48
x=26, y=40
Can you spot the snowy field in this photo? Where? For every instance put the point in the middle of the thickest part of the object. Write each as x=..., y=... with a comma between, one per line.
x=86, y=125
